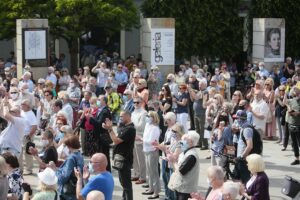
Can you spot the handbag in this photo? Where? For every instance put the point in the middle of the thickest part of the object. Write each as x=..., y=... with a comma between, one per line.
x=28, y=145
x=291, y=187
x=69, y=187
x=229, y=150
x=119, y=162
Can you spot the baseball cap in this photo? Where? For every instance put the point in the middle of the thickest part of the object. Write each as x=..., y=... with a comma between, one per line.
x=241, y=114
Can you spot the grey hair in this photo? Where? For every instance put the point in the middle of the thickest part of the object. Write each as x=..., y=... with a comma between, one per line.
x=67, y=129
x=170, y=116
x=231, y=188
x=196, y=66
x=203, y=81
x=217, y=172
x=194, y=136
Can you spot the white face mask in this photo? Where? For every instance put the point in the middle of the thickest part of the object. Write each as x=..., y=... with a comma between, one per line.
x=44, y=143
x=14, y=96
x=261, y=68
x=72, y=85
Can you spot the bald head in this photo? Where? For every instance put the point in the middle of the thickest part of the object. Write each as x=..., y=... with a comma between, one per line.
x=100, y=162
x=95, y=195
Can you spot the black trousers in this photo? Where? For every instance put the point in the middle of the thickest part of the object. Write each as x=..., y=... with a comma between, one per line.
x=295, y=135
x=191, y=114
x=286, y=135
x=105, y=150
x=182, y=196
x=125, y=180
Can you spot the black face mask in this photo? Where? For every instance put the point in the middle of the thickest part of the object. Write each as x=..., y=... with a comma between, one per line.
x=241, y=107
x=169, y=81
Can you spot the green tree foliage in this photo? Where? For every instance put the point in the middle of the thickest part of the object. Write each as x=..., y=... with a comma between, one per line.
x=203, y=27
x=69, y=19
x=280, y=9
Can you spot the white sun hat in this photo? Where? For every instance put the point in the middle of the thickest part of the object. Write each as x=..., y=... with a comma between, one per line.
x=48, y=176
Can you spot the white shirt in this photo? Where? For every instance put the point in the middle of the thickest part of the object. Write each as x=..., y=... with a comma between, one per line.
x=102, y=75
x=138, y=118
x=260, y=107
x=67, y=108
x=151, y=134
x=30, y=119
x=12, y=135
x=52, y=78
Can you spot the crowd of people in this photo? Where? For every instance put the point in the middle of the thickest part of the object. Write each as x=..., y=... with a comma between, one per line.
x=155, y=125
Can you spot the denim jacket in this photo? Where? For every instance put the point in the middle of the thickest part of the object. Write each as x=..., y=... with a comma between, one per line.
x=64, y=172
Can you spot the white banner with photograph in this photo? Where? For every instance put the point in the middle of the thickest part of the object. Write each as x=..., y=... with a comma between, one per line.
x=274, y=44
x=163, y=46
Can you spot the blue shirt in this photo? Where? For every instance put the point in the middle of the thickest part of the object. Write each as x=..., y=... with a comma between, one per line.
x=180, y=108
x=103, y=182
x=121, y=77
x=263, y=73
x=64, y=172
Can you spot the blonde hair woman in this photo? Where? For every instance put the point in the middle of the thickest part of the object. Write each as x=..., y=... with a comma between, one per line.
x=3, y=179
x=258, y=186
x=151, y=135
x=269, y=97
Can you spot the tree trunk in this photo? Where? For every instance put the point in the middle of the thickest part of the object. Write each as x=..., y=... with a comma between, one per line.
x=73, y=49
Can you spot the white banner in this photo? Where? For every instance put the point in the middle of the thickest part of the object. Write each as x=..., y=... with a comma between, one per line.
x=163, y=46
x=35, y=44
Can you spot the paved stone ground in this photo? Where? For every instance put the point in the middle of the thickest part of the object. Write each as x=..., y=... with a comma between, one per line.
x=277, y=166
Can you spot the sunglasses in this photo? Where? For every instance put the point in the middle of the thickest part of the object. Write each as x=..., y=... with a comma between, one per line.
x=163, y=90
x=174, y=131
x=136, y=102
x=135, y=77
x=281, y=90
x=64, y=71
x=14, y=93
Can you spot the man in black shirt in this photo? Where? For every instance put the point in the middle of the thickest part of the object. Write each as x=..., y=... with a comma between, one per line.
x=124, y=143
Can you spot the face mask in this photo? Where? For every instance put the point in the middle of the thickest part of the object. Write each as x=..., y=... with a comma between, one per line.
x=184, y=145
x=217, y=73
x=148, y=120
x=173, y=135
x=125, y=98
x=121, y=121
x=180, y=73
x=98, y=103
x=109, y=78
x=208, y=181
x=44, y=143
x=241, y=108
x=72, y=85
x=169, y=81
x=261, y=68
x=91, y=169
x=14, y=96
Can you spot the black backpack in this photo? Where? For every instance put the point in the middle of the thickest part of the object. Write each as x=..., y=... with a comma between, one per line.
x=256, y=139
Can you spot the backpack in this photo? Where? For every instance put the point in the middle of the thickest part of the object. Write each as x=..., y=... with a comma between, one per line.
x=257, y=142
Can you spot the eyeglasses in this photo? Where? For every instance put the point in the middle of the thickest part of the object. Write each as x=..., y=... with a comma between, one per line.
x=40, y=83
x=94, y=162
x=174, y=131
x=135, y=77
x=136, y=102
x=14, y=93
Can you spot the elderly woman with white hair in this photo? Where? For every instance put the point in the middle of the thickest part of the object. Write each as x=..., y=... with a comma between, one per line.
x=170, y=120
x=64, y=79
x=27, y=80
x=185, y=178
x=258, y=186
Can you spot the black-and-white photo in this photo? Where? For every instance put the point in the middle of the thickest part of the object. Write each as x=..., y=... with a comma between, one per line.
x=274, y=44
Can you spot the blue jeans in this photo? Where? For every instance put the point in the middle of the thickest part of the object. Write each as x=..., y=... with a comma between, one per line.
x=166, y=173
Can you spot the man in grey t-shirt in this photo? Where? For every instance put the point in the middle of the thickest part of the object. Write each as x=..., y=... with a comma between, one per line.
x=243, y=149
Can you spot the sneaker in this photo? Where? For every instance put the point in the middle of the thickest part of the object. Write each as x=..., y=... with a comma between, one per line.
x=296, y=162
x=26, y=173
x=283, y=149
